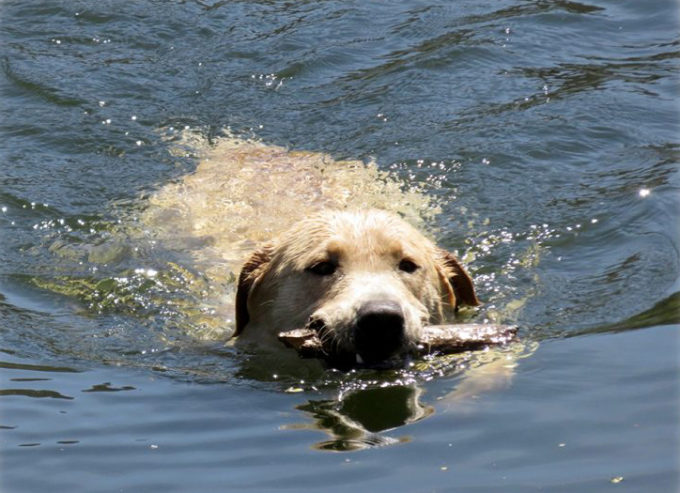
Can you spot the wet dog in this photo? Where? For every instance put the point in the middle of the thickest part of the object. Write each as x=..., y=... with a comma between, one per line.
x=341, y=248
x=367, y=281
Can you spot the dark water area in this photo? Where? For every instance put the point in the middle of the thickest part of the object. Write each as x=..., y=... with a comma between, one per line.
x=546, y=131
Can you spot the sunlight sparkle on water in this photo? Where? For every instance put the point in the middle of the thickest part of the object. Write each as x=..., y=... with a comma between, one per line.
x=644, y=192
x=146, y=272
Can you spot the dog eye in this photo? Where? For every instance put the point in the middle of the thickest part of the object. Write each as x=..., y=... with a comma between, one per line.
x=407, y=266
x=324, y=268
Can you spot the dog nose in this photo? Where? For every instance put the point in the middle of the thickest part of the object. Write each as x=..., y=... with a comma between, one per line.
x=379, y=331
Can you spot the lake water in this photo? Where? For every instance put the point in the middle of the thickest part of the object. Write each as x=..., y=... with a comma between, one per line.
x=547, y=134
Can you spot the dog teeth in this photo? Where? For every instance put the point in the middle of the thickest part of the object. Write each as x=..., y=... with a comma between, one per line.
x=360, y=361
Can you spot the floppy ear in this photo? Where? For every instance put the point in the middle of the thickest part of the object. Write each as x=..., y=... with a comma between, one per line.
x=252, y=270
x=457, y=281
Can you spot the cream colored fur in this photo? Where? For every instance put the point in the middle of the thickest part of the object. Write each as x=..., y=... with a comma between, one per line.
x=278, y=292
x=295, y=208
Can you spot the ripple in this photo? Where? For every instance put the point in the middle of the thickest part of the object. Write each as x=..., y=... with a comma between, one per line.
x=36, y=394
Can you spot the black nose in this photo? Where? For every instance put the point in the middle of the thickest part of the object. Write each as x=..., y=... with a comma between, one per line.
x=379, y=331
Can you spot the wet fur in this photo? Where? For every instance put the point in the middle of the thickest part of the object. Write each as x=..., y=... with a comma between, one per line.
x=276, y=291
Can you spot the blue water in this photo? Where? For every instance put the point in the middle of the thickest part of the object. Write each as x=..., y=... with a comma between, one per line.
x=554, y=128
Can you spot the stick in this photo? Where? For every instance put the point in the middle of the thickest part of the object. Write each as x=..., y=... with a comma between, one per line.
x=454, y=338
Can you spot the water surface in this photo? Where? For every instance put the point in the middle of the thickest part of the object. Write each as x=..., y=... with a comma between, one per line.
x=546, y=132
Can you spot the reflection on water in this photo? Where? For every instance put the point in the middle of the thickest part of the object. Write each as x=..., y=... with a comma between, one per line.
x=356, y=420
x=366, y=408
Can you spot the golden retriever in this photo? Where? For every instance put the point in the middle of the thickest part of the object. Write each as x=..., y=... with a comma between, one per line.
x=366, y=280
x=341, y=251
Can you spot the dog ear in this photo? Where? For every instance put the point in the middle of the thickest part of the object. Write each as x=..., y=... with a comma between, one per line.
x=252, y=270
x=457, y=281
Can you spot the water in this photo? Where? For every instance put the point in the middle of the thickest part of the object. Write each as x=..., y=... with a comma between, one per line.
x=545, y=132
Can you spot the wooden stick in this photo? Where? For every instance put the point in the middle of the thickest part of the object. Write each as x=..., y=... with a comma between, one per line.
x=453, y=338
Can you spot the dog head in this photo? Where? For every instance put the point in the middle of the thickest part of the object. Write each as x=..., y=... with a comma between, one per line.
x=367, y=281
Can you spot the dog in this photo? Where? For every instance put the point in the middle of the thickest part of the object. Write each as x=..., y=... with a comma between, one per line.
x=341, y=248
x=366, y=280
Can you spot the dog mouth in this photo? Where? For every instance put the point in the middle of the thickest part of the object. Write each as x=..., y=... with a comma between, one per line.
x=363, y=347
x=376, y=337
x=349, y=359
x=317, y=341
x=345, y=360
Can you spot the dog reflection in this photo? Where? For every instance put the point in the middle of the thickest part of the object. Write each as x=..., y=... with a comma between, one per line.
x=357, y=419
